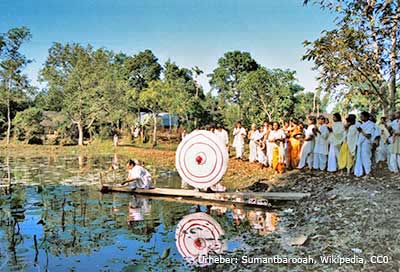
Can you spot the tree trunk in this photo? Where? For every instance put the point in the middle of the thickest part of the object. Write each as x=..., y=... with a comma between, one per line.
x=155, y=130
x=8, y=118
x=393, y=59
x=80, y=131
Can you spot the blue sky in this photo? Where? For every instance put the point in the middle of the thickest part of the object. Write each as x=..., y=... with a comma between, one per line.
x=189, y=32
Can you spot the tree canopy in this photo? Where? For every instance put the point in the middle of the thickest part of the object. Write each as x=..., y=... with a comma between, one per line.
x=359, y=56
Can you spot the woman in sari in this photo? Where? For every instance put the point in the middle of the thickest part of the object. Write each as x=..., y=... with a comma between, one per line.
x=349, y=146
x=294, y=144
x=336, y=140
x=276, y=138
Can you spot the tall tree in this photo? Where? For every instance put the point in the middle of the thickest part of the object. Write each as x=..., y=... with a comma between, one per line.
x=81, y=74
x=13, y=83
x=151, y=98
x=184, y=94
x=361, y=54
x=268, y=94
x=232, y=67
x=141, y=69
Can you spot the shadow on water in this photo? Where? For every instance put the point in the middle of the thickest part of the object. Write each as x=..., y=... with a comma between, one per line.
x=52, y=217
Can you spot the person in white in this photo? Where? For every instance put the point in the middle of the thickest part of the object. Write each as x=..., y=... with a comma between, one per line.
x=183, y=134
x=336, y=139
x=382, y=150
x=239, y=133
x=395, y=144
x=321, y=145
x=260, y=142
x=138, y=176
x=364, y=146
x=267, y=127
x=252, y=135
x=351, y=139
x=115, y=140
x=222, y=134
x=306, y=152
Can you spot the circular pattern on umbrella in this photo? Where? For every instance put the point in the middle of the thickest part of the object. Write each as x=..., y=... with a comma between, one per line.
x=201, y=159
x=197, y=236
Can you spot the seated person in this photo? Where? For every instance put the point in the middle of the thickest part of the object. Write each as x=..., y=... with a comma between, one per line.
x=138, y=176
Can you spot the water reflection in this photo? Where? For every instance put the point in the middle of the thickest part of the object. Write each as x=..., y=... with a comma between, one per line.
x=137, y=208
x=54, y=218
x=198, y=236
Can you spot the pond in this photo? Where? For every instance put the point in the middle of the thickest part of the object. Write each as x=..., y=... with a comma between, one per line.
x=54, y=218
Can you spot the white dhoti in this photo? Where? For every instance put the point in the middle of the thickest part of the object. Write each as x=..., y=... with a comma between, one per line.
x=261, y=157
x=319, y=161
x=381, y=153
x=270, y=150
x=363, y=159
x=333, y=156
x=306, y=155
x=239, y=148
x=253, y=151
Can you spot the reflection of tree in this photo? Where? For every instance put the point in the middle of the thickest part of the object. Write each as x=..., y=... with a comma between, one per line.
x=12, y=212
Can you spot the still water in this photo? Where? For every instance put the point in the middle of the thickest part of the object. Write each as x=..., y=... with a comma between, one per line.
x=53, y=218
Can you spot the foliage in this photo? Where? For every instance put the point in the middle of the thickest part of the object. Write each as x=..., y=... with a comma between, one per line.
x=14, y=86
x=87, y=82
x=141, y=69
x=268, y=94
x=232, y=67
x=359, y=56
x=27, y=124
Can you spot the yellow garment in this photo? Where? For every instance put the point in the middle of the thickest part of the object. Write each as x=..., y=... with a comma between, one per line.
x=277, y=160
x=345, y=159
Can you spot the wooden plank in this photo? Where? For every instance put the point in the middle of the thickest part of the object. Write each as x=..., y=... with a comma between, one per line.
x=205, y=202
x=234, y=196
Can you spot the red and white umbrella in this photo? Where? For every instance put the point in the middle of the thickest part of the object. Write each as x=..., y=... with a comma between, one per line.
x=197, y=236
x=201, y=159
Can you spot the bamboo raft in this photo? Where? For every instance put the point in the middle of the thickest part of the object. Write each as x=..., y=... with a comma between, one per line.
x=246, y=198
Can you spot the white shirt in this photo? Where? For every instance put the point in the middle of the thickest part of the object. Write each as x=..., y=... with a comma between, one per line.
x=352, y=138
x=395, y=125
x=276, y=135
x=142, y=176
x=222, y=135
x=308, y=133
x=377, y=132
x=321, y=140
x=238, y=137
x=368, y=128
x=338, y=133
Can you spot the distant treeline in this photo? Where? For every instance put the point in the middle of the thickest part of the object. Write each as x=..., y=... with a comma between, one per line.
x=96, y=92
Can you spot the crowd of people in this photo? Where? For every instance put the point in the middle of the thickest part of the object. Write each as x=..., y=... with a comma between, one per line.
x=323, y=143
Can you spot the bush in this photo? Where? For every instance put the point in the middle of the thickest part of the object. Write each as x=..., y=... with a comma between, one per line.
x=27, y=125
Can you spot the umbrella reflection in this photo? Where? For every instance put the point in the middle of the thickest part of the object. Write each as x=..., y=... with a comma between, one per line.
x=199, y=236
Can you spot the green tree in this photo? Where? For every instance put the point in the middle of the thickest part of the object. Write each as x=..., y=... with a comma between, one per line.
x=232, y=67
x=82, y=76
x=151, y=99
x=13, y=83
x=183, y=95
x=306, y=103
x=141, y=69
x=361, y=54
x=268, y=94
x=27, y=125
